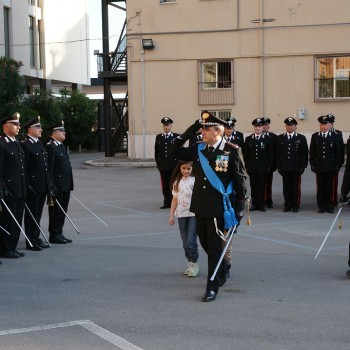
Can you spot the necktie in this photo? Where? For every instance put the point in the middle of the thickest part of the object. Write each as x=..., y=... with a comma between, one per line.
x=210, y=149
x=324, y=136
x=257, y=138
x=289, y=136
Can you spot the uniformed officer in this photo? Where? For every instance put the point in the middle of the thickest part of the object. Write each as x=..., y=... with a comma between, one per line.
x=36, y=166
x=61, y=179
x=325, y=160
x=258, y=157
x=269, y=177
x=225, y=159
x=165, y=162
x=292, y=159
x=339, y=134
x=13, y=186
x=231, y=135
x=345, y=188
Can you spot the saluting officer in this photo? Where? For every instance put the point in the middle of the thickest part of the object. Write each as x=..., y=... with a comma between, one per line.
x=338, y=133
x=13, y=186
x=165, y=162
x=292, y=158
x=225, y=160
x=258, y=157
x=36, y=166
x=269, y=177
x=325, y=159
x=61, y=179
x=231, y=135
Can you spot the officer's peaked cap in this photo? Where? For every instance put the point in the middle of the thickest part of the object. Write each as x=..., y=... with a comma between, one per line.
x=290, y=121
x=258, y=122
x=166, y=121
x=32, y=122
x=324, y=119
x=58, y=126
x=209, y=119
x=14, y=118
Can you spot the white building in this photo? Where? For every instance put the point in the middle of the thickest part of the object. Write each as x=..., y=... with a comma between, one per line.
x=50, y=38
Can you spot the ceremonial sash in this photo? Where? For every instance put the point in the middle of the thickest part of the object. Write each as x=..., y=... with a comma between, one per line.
x=229, y=213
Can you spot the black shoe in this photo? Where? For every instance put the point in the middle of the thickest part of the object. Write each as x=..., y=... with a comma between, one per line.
x=295, y=210
x=57, y=240
x=253, y=208
x=209, y=295
x=35, y=248
x=270, y=206
x=0, y=262
x=20, y=254
x=348, y=273
x=165, y=207
x=321, y=211
x=262, y=208
x=286, y=210
x=65, y=238
x=222, y=281
x=43, y=245
x=11, y=255
x=330, y=210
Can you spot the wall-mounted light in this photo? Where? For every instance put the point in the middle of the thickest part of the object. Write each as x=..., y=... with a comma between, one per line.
x=147, y=44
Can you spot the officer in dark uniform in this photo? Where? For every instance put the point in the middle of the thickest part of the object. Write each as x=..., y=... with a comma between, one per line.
x=338, y=133
x=345, y=187
x=258, y=157
x=226, y=160
x=165, y=162
x=61, y=179
x=13, y=186
x=269, y=177
x=36, y=166
x=325, y=160
x=231, y=135
x=292, y=158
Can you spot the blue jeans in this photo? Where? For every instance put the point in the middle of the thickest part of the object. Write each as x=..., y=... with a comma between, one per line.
x=187, y=226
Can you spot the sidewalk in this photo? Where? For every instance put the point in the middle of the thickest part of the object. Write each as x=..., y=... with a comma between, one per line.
x=120, y=159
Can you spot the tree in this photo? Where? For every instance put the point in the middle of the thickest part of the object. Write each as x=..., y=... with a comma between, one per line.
x=80, y=118
x=12, y=86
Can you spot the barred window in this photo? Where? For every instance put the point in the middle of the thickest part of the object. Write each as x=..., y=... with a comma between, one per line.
x=164, y=1
x=332, y=77
x=216, y=75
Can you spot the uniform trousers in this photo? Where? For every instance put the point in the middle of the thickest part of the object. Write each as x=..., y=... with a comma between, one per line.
x=349, y=256
x=35, y=203
x=257, y=187
x=16, y=206
x=211, y=244
x=268, y=189
x=165, y=177
x=56, y=215
x=291, y=189
x=335, y=189
x=324, y=190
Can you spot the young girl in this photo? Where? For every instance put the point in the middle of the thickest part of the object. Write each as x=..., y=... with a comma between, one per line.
x=182, y=185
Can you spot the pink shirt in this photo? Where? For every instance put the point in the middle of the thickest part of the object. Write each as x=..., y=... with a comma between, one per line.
x=184, y=196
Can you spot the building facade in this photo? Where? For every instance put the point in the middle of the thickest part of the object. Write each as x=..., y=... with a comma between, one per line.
x=241, y=58
x=50, y=38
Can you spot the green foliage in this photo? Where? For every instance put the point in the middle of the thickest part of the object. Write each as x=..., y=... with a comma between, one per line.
x=12, y=86
x=80, y=119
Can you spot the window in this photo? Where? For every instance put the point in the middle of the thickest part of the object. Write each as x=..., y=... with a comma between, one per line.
x=215, y=82
x=221, y=114
x=31, y=41
x=39, y=46
x=332, y=77
x=7, y=31
x=216, y=75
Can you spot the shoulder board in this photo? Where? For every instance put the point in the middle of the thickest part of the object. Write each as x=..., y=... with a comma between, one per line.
x=232, y=144
x=30, y=140
x=7, y=139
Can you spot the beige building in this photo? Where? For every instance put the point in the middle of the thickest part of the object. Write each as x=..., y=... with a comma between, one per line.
x=50, y=38
x=245, y=58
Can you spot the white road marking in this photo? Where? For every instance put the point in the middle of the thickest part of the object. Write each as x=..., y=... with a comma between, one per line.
x=88, y=325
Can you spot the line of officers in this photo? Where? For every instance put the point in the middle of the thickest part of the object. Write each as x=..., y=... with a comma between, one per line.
x=265, y=152
x=30, y=175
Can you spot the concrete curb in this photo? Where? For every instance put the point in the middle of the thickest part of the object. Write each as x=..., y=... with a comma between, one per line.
x=110, y=162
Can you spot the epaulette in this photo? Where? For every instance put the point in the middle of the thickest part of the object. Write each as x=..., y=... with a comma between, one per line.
x=232, y=144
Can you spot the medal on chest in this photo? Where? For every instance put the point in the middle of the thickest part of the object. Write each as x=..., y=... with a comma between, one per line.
x=221, y=162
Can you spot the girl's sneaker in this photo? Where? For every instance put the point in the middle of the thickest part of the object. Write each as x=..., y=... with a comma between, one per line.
x=188, y=269
x=194, y=270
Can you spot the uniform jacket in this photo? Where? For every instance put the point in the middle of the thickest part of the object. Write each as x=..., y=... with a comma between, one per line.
x=345, y=187
x=161, y=151
x=258, y=154
x=12, y=171
x=60, y=168
x=292, y=154
x=237, y=138
x=326, y=154
x=273, y=144
x=36, y=165
x=339, y=134
x=206, y=200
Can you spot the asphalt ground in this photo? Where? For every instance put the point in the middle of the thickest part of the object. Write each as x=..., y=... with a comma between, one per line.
x=122, y=286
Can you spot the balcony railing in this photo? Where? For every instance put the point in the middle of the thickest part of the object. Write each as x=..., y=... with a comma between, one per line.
x=215, y=93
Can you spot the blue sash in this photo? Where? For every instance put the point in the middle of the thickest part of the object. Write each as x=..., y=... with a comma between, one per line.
x=229, y=213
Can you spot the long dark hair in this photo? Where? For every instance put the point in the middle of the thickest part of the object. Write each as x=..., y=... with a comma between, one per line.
x=177, y=175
